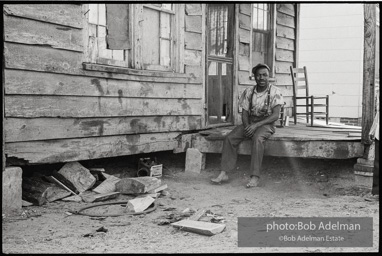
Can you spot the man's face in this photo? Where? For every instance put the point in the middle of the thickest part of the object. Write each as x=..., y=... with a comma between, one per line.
x=262, y=77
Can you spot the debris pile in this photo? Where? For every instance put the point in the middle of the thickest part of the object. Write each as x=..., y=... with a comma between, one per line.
x=73, y=182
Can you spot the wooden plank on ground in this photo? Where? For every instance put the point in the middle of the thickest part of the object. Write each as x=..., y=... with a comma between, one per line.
x=137, y=185
x=55, y=151
x=39, y=83
x=199, y=227
x=24, y=129
x=140, y=204
x=38, y=33
x=55, y=106
x=39, y=192
x=197, y=215
x=107, y=186
x=63, y=14
x=158, y=189
x=93, y=197
x=79, y=176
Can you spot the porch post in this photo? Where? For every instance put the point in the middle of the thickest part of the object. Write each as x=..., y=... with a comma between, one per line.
x=364, y=166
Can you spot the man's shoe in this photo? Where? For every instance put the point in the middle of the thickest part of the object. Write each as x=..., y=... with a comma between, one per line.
x=220, y=179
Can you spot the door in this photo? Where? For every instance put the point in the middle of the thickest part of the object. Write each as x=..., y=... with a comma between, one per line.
x=219, y=66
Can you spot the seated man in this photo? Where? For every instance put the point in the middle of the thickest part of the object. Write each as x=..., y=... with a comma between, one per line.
x=261, y=108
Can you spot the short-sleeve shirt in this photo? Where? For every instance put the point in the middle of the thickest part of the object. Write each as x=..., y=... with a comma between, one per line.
x=259, y=99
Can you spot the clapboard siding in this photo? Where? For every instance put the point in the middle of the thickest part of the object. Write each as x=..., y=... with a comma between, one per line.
x=285, y=50
x=70, y=106
x=193, y=24
x=32, y=129
x=193, y=41
x=40, y=58
x=53, y=151
x=38, y=83
x=62, y=14
x=40, y=33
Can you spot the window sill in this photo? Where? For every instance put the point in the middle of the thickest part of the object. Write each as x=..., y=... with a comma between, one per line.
x=129, y=71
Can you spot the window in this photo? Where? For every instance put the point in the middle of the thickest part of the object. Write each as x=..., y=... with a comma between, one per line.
x=151, y=44
x=158, y=36
x=98, y=48
x=262, y=28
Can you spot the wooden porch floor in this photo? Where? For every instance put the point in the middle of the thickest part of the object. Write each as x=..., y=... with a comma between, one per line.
x=297, y=140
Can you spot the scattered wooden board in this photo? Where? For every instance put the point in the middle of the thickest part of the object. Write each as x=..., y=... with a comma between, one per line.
x=138, y=185
x=37, y=191
x=75, y=198
x=78, y=176
x=139, y=204
x=199, y=227
x=158, y=189
x=197, y=215
x=94, y=197
x=107, y=186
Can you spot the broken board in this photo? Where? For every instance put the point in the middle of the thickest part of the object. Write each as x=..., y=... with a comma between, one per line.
x=78, y=176
x=137, y=185
x=158, y=189
x=199, y=227
x=140, y=204
x=108, y=185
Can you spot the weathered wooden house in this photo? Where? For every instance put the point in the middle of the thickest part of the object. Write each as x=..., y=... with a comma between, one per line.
x=87, y=81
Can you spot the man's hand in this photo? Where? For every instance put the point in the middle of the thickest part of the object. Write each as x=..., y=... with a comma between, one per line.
x=249, y=130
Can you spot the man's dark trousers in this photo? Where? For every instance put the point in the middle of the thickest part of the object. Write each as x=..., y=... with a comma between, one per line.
x=235, y=137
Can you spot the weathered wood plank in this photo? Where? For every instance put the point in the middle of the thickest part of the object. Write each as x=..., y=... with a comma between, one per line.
x=285, y=43
x=284, y=79
x=244, y=63
x=286, y=32
x=39, y=83
x=39, y=33
x=305, y=148
x=70, y=106
x=36, y=58
x=63, y=14
x=285, y=20
x=193, y=9
x=27, y=129
x=194, y=71
x=245, y=9
x=244, y=36
x=286, y=9
x=245, y=22
x=283, y=67
x=56, y=151
x=192, y=57
x=244, y=78
x=138, y=75
x=244, y=49
x=193, y=24
x=284, y=55
x=41, y=58
x=193, y=41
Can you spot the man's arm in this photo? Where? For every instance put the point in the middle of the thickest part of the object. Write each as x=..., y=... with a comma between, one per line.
x=245, y=118
x=249, y=130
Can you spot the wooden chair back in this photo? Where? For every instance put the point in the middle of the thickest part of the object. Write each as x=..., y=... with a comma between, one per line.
x=299, y=82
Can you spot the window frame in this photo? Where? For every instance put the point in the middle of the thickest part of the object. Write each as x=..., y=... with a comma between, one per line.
x=271, y=33
x=133, y=56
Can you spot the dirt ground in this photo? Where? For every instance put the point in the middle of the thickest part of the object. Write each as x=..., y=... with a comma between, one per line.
x=290, y=187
